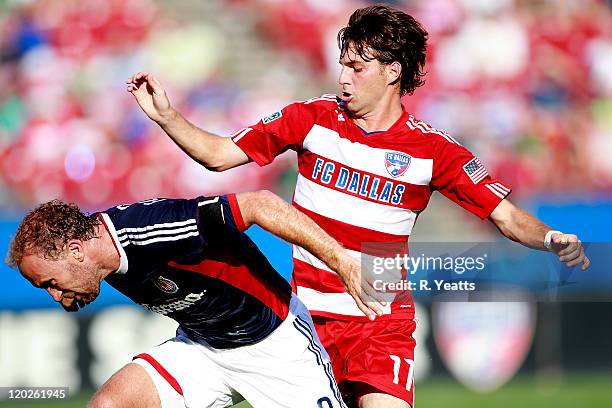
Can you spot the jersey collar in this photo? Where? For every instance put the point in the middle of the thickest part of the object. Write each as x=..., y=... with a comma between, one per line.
x=398, y=124
x=123, y=259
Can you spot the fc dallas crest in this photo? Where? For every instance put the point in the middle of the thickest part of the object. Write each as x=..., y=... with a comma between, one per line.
x=397, y=163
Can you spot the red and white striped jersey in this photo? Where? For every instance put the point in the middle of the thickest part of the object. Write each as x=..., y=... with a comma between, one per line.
x=364, y=187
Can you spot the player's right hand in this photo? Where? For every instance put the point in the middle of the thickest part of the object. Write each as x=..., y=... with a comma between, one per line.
x=368, y=299
x=151, y=96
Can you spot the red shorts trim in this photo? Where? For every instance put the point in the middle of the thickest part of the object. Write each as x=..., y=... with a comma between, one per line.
x=161, y=370
x=379, y=354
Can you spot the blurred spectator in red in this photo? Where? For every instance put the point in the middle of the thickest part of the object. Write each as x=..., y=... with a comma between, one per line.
x=526, y=85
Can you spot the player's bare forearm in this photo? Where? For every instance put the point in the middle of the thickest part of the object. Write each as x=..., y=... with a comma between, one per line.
x=213, y=152
x=278, y=217
x=518, y=225
x=275, y=215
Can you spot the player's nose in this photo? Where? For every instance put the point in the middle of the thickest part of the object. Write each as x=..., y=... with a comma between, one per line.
x=343, y=76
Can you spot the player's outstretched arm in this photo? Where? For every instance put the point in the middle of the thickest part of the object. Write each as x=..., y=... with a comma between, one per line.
x=281, y=219
x=520, y=226
x=214, y=152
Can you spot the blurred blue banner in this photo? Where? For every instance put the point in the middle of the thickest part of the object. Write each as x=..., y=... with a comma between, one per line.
x=591, y=221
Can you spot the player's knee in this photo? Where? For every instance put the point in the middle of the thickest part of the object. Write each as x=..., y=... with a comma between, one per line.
x=103, y=399
x=129, y=387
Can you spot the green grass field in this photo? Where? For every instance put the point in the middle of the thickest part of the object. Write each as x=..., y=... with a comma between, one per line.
x=584, y=391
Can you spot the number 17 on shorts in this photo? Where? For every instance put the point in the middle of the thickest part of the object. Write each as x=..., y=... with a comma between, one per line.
x=398, y=362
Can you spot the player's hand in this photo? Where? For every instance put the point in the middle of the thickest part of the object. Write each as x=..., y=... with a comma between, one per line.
x=151, y=96
x=569, y=249
x=368, y=300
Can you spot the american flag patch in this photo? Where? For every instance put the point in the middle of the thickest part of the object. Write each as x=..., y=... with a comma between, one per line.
x=475, y=170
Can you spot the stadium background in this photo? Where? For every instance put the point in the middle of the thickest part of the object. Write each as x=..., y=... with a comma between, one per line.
x=526, y=85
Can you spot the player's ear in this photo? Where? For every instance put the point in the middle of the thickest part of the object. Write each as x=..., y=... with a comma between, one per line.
x=394, y=72
x=75, y=249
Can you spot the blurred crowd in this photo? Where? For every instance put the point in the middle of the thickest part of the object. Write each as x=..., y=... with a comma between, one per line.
x=525, y=84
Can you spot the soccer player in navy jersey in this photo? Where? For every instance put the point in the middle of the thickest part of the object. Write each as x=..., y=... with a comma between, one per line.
x=241, y=331
x=367, y=169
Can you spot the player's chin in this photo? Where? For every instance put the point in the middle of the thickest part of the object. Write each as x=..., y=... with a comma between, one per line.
x=86, y=299
x=78, y=303
x=70, y=306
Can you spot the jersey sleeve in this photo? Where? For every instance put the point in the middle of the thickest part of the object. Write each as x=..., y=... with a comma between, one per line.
x=158, y=230
x=274, y=134
x=461, y=177
x=161, y=230
x=219, y=218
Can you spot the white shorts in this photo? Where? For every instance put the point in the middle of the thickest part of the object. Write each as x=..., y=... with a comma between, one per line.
x=289, y=368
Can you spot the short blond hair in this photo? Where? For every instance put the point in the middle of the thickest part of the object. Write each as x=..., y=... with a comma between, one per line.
x=47, y=229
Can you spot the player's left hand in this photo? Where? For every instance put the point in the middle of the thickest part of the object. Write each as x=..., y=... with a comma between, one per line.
x=569, y=249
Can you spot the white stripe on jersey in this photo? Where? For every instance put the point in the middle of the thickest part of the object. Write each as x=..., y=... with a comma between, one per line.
x=426, y=128
x=164, y=232
x=162, y=239
x=495, y=191
x=239, y=135
x=303, y=255
x=122, y=231
x=158, y=232
x=501, y=187
x=325, y=97
x=338, y=303
x=212, y=200
x=366, y=214
x=327, y=143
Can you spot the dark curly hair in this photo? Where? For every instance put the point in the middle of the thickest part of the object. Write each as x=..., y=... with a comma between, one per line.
x=388, y=35
x=46, y=230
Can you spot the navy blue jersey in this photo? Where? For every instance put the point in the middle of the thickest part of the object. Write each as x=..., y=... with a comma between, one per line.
x=190, y=260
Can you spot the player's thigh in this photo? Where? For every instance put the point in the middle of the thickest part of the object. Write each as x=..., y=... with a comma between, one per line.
x=377, y=359
x=380, y=400
x=289, y=368
x=184, y=375
x=309, y=365
x=129, y=387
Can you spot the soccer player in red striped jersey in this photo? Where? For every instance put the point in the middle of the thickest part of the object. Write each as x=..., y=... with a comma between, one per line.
x=367, y=168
